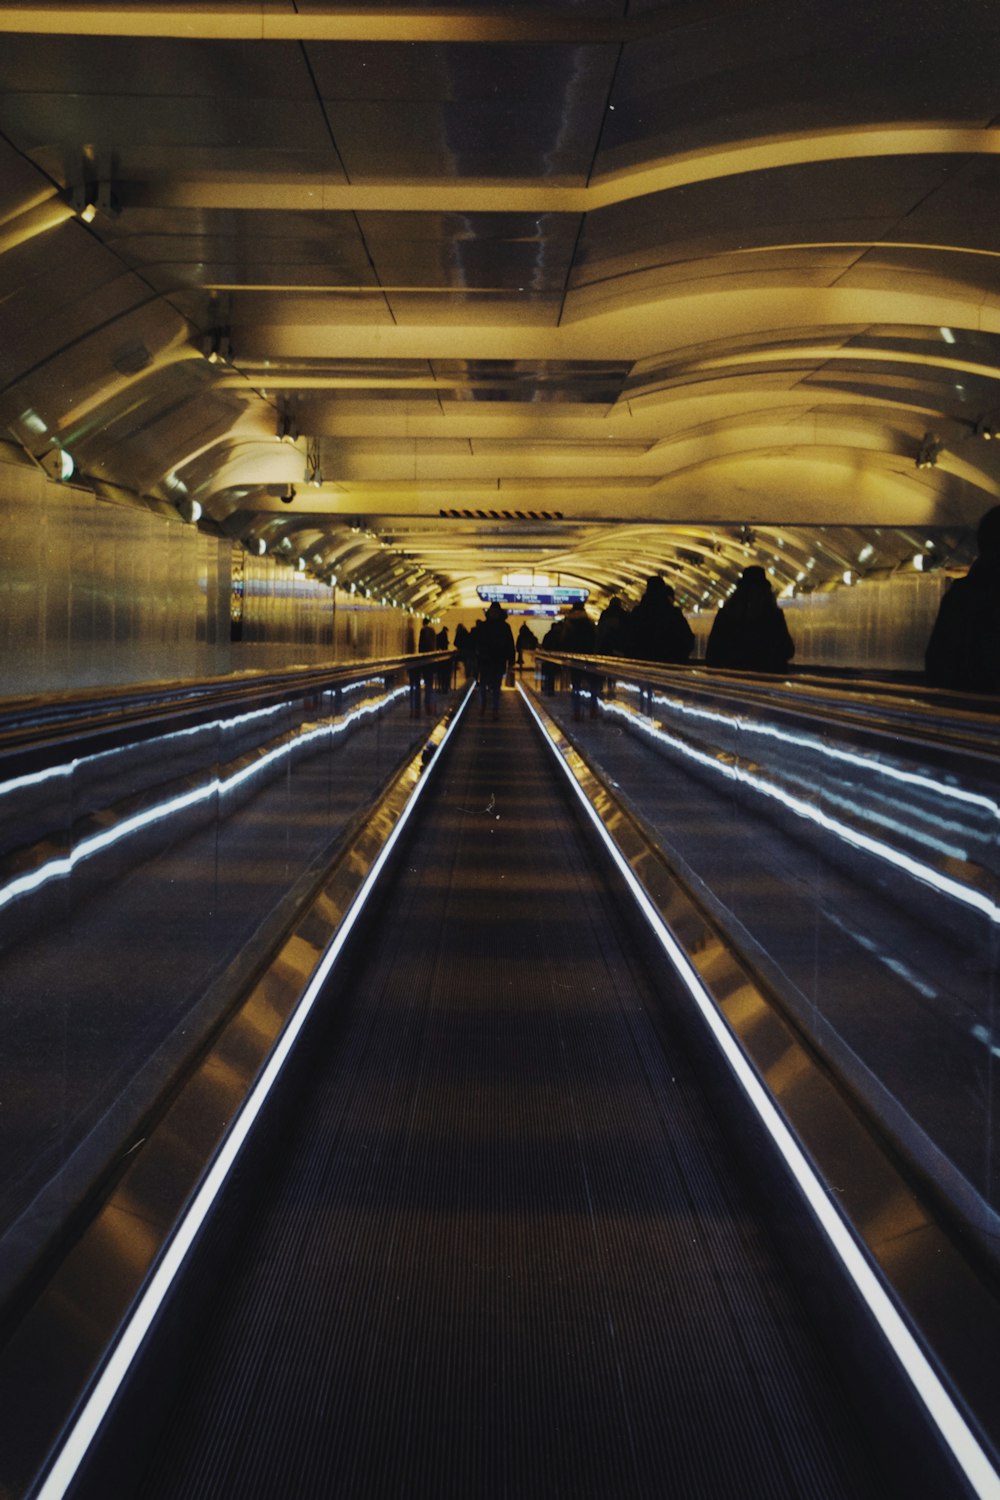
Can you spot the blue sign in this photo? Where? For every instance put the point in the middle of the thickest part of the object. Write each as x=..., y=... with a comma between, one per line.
x=495, y=594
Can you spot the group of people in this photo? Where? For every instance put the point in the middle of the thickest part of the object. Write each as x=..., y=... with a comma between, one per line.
x=749, y=633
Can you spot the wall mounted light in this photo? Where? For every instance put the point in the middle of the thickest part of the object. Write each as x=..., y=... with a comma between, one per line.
x=84, y=204
x=314, y=473
x=217, y=347
x=90, y=198
x=190, y=511
x=930, y=448
x=287, y=429
x=288, y=495
x=58, y=464
x=987, y=428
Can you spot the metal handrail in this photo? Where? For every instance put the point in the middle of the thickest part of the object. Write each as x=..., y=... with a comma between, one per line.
x=925, y=718
x=38, y=726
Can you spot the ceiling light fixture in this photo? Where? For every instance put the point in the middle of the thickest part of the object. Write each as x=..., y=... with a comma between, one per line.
x=930, y=448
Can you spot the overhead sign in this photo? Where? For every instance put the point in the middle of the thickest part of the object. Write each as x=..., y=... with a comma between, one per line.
x=497, y=594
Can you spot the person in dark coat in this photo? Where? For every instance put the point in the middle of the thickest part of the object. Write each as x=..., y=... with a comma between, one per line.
x=749, y=632
x=657, y=629
x=612, y=627
x=444, y=670
x=551, y=641
x=525, y=642
x=495, y=654
x=466, y=650
x=579, y=636
x=963, y=651
x=427, y=641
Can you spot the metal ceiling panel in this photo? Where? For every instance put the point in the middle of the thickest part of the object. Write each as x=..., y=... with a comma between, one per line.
x=738, y=254
x=472, y=252
x=502, y=111
x=231, y=247
x=843, y=202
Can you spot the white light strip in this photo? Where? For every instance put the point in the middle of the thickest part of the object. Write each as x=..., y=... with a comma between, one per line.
x=966, y=894
x=65, y=864
x=37, y=778
x=942, y=1410
x=850, y=757
x=84, y=1428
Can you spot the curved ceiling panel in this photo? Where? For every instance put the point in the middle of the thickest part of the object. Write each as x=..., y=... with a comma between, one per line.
x=418, y=297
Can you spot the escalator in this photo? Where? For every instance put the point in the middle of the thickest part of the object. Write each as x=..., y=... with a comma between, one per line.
x=513, y=1236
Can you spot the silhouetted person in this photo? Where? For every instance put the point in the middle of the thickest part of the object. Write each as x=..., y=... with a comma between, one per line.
x=657, y=629
x=611, y=628
x=413, y=673
x=749, y=631
x=963, y=651
x=551, y=641
x=494, y=655
x=466, y=650
x=444, y=670
x=525, y=642
x=428, y=642
x=579, y=635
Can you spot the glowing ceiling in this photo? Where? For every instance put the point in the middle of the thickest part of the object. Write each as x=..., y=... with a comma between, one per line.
x=592, y=287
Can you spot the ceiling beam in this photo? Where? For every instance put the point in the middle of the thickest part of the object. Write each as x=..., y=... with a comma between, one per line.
x=473, y=195
x=273, y=21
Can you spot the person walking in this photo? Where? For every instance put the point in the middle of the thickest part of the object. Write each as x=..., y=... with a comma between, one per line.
x=579, y=636
x=526, y=641
x=495, y=653
x=657, y=629
x=963, y=651
x=749, y=632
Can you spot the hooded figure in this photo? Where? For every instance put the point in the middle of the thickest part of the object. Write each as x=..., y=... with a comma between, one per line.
x=494, y=641
x=657, y=629
x=964, y=647
x=749, y=632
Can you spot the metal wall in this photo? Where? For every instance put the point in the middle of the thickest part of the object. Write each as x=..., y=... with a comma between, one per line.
x=94, y=593
x=883, y=625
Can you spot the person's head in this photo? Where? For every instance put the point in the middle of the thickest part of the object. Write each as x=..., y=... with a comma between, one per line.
x=988, y=533
x=754, y=580
x=495, y=612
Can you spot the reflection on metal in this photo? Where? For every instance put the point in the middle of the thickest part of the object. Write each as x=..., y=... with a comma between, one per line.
x=193, y=1150
x=876, y=1209
x=214, y=786
x=736, y=769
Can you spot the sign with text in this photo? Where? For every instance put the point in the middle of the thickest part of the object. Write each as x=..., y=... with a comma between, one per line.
x=500, y=594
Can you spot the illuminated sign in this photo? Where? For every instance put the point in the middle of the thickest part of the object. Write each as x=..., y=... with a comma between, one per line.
x=494, y=594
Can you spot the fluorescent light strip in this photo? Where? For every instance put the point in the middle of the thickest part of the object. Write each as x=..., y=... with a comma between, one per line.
x=84, y=1428
x=850, y=757
x=65, y=865
x=942, y=1410
x=910, y=866
x=37, y=778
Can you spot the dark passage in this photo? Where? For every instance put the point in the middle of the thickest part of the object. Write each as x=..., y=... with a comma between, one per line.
x=509, y=1251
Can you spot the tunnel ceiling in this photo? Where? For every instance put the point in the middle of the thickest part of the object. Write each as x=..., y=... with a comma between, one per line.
x=426, y=297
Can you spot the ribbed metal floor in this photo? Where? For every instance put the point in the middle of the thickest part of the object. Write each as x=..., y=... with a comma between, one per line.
x=510, y=1255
